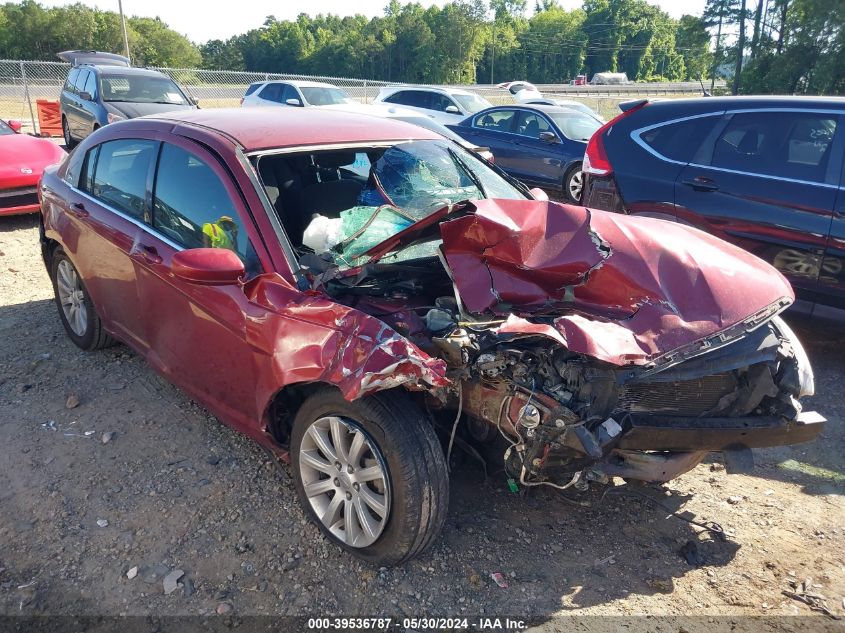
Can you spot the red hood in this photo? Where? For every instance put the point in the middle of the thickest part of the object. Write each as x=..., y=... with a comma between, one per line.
x=632, y=289
x=21, y=152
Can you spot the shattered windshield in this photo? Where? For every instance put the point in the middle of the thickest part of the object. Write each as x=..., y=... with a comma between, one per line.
x=342, y=203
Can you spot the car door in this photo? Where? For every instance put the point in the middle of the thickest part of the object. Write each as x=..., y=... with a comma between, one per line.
x=270, y=95
x=494, y=129
x=539, y=161
x=68, y=96
x=197, y=333
x=107, y=208
x=440, y=103
x=764, y=183
x=75, y=114
x=832, y=273
x=89, y=108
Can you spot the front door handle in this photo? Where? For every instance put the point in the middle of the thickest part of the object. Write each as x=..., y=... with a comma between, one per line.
x=148, y=254
x=702, y=183
x=78, y=210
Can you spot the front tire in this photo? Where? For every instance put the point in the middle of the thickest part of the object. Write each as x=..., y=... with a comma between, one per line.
x=76, y=310
x=573, y=184
x=370, y=474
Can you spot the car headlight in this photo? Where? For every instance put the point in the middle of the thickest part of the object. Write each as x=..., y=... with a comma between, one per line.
x=806, y=380
x=115, y=117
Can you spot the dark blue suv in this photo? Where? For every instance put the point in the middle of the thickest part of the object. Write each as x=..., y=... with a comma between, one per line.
x=765, y=173
x=102, y=88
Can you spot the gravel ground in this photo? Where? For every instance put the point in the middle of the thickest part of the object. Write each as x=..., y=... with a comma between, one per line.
x=110, y=472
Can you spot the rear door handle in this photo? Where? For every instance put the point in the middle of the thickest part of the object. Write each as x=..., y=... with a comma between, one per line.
x=702, y=183
x=78, y=210
x=147, y=253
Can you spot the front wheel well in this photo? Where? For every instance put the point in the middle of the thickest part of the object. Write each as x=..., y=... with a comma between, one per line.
x=283, y=407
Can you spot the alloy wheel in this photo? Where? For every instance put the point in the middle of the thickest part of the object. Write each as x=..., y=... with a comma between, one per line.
x=345, y=480
x=576, y=185
x=72, y=297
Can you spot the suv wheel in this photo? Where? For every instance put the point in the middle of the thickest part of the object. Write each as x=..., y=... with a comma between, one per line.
x=573, y=184
x=370, y=473
x=69, y=142
x=76, y=310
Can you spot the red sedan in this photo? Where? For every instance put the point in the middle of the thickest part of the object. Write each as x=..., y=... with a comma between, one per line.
x=22, y=161
x=368, y=297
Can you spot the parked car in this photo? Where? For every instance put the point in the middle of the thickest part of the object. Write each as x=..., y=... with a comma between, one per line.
x=522, y=91
x=610, y=79
x=102, y=88
x=540, y=145
x=446, y=105
x=762, y=172
x=576, y=341
x=22, y=161
x=295, y=93
x=580, y=80
x=567, y=103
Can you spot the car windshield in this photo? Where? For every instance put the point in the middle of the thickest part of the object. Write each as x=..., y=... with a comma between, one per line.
x=574, y=125
x=354, y=199
x=471, y=103
x=320, y=95
x=5, y=129
x=141, y=89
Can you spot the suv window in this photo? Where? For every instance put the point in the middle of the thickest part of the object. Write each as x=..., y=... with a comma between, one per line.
x=91, y=84
x=497, y=120
x=415, y=98
x=289, y=92
x=272, y=92
x=531, y=124
x=81, y=78
x=120, y=176
x=70, y=84
x=251, y=88
x=192, y=207
x=440, y=102
x=785, y=144
x=679, y=141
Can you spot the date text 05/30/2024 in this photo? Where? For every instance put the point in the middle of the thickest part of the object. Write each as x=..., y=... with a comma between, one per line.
x=417, y=624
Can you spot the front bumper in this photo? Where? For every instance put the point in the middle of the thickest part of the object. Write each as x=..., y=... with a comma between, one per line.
x=14, y=201
x=656, y=433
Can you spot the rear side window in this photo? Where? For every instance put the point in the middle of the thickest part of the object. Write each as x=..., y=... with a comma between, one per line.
x=415, y=98
x=785, y=144
x=70, y=84
x=679, y=141
x=251, y=88
x=272, y=92
x=192, y=207
x=497, y=120
x=120, y=176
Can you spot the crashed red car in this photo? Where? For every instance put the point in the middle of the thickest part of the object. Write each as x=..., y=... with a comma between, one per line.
x=22, y=160
x=365, y=296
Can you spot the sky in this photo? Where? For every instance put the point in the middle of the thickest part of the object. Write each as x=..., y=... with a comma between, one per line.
x=201, y=21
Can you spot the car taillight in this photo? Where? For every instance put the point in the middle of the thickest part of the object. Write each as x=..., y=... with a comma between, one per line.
x=595, y=156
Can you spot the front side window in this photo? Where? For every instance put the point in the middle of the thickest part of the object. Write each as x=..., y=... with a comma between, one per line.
x=272, y=92
x=289, y=92
x=192, y=207
x=680, y=141
x=86, y=176
x=91, y=84
x=5, y=129
x=793, y=145
x=81, y=78
x=575, y=126
x=141, y=89
x=497, y=120
x=440, y=102
x=532, y=125
x=120, y=175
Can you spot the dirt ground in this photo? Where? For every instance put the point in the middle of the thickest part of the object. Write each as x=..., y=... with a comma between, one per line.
x=138, y=476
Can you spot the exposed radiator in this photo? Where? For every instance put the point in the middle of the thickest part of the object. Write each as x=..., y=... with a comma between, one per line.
x=687, y=398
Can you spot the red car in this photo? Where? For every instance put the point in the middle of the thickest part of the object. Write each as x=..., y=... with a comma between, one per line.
x=22, y=161
x=368, y=297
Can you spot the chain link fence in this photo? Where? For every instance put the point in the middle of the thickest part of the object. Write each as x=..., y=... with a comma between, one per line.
x=23, y=83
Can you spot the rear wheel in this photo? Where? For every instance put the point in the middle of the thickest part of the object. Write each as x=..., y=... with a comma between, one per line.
x=370, y=474
x=573, y=184
x=76, y=310
x=69, y=142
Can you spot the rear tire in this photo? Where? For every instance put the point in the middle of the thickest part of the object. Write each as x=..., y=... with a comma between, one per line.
x=69, y=142
x=407, y=477
x=573, y=184
x=76, y=310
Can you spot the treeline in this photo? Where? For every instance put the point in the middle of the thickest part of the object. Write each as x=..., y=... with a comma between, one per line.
x=468, y=41
x=761, y=46
x=779, y=46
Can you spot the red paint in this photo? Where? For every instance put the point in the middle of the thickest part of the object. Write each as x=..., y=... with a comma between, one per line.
x=623, y=289
x=19, y=154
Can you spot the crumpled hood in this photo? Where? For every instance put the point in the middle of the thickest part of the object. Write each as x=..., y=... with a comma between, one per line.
x=630, y=290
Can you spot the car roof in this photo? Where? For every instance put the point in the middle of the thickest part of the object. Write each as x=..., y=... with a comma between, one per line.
x=300, y=83
x=258, y=129
x=539, y=107
x=439, y=89
x=120, y=71
x=732, y=103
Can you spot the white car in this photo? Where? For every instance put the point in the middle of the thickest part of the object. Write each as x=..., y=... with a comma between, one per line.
x=522, y=91
x=277, y=92
x=446, y=105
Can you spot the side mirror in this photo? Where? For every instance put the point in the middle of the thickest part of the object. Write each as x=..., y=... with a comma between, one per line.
x=86, y=96
x=15, y=125
x=452, y=109
x=538, y=194
x=294, y=102
x=208, y=266
x=549, y=137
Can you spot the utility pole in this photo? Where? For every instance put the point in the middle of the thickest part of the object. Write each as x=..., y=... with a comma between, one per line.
x=125, y=36
x=740, y=48
x=493, y=53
